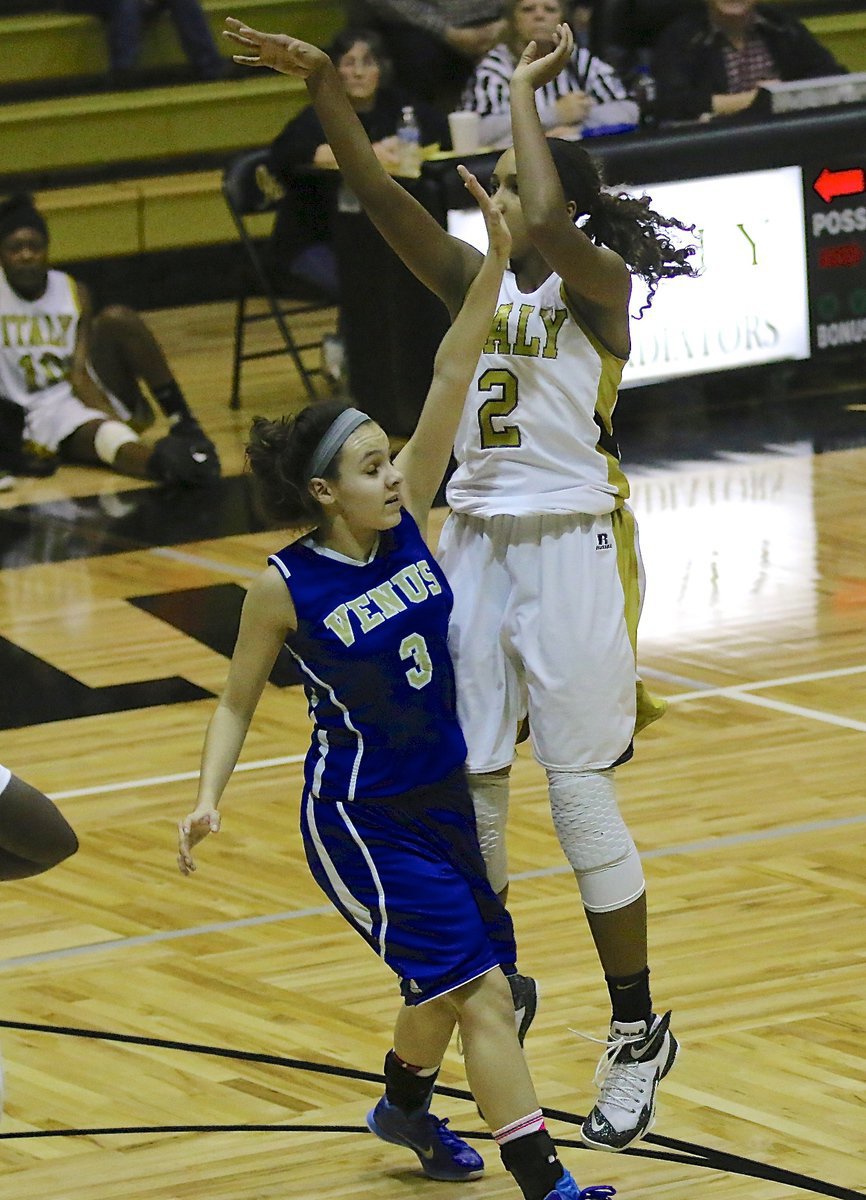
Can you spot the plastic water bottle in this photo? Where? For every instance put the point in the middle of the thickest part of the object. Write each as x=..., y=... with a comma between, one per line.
x=410, y=144
x=644, y=92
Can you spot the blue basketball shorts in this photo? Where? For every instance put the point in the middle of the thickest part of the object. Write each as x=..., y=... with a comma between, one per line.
x=407, y=873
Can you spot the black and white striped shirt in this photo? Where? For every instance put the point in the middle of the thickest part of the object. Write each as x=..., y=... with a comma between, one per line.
x=489, y=88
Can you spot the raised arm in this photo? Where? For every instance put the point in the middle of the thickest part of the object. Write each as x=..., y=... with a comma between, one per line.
x=443, y=263
x=425, y=456
x=590, y=273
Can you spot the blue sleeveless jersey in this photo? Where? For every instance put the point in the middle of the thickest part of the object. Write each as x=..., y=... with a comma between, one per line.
x=372, y=646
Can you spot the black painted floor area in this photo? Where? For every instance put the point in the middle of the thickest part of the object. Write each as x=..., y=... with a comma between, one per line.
x=696, y=420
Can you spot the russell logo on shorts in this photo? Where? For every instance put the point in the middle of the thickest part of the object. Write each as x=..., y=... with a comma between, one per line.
x=603, y=542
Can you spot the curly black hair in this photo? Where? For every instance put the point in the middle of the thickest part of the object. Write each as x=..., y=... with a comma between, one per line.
x=623, y=223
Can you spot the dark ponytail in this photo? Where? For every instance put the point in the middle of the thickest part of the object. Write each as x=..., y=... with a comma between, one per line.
x=623, y=223
x=279, y=452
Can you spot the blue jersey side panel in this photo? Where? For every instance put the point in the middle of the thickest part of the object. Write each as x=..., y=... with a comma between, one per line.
x=372, y=645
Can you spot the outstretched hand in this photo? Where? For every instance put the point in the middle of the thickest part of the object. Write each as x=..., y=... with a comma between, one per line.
x=190, y=831
x=498, y=233
x=539, y=71
x=288, y=55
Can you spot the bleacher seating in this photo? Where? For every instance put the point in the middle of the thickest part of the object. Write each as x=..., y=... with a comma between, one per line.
x=844, y=35
x=61, y=47
x=137, y=172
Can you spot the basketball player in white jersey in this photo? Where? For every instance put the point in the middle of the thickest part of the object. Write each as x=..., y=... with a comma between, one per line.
x=34, y=836
x=69, y=379
x=541, y=549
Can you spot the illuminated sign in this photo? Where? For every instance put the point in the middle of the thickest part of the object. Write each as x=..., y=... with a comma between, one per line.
x=836, y=253
x=749, y=304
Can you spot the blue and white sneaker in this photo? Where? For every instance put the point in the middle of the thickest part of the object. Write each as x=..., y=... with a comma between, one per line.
x=441, y=1153
x=567, y=1189
x=635, y=1061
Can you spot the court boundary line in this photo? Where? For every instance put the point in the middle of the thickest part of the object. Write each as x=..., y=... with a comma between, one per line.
x=672, y=1149
x=741, y=692
x=170, y=935
x=734, y=691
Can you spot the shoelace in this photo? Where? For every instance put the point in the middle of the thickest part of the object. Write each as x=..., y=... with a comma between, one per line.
x=597, y=1191
x=447, y=1137
x=617, y=1085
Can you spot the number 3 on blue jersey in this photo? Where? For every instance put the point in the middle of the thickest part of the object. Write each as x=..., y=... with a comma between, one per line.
x=413, y=646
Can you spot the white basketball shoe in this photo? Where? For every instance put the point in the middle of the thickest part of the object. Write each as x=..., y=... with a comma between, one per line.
x=635, y=1061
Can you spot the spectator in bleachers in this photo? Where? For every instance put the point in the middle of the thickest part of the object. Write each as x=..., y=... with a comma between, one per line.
x=302, y=232
x=587, y=94
x=125, y=20
x=433, y=43
x=70, y=379
x=711, y=62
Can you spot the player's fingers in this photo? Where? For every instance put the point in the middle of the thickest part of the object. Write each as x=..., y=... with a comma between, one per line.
x=528, y=54
x=240, y=26
x=231, y=36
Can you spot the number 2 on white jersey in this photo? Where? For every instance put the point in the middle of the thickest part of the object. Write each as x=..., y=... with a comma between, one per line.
x=501, y=405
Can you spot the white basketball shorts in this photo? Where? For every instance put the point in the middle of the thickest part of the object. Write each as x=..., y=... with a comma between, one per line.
x=545, y=621
x=52, y=418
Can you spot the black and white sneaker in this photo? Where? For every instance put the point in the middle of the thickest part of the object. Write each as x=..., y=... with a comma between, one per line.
x=524, y=995
x=185, y=456
x=635, y=1061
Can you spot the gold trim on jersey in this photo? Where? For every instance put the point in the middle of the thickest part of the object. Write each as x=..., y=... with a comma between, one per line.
x=75, y=290
x=648, y=708
x=608, y=392
x=624, y=536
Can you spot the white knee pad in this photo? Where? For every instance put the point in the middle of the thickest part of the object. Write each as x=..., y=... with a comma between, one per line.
x=490, y=797
x=594, y=838
x=109, y=438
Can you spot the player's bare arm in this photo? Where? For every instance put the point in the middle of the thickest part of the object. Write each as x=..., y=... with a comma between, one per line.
x=594, y=275
x=267, y=617
x=424, y=458
x=444, y=264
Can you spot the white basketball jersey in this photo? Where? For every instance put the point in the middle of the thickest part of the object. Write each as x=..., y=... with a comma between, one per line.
x=536, y=433
x=37, y=341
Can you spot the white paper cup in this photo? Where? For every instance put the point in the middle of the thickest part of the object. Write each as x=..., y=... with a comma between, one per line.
x=463, y=127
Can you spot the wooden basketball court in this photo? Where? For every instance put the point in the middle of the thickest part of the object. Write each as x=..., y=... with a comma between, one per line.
x=221, y=1037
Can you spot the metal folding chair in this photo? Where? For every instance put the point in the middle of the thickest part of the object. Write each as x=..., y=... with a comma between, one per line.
x=246, y=196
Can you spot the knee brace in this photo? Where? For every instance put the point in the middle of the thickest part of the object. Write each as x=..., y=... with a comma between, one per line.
x=594, y=838
x=490, y=797
x=109, y=438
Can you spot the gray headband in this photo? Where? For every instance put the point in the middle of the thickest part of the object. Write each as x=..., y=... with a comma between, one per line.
x=333, y=438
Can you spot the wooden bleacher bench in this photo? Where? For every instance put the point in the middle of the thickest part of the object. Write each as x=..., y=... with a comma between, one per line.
x=110, y=169
x=140, y=216
x=127, y=150
x=56, y=45
x=78, y=135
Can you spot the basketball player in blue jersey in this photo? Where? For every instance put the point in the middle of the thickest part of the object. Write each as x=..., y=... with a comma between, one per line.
x=69, y=377
x=541, y=548
x=34, y=836
x=386, y=815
